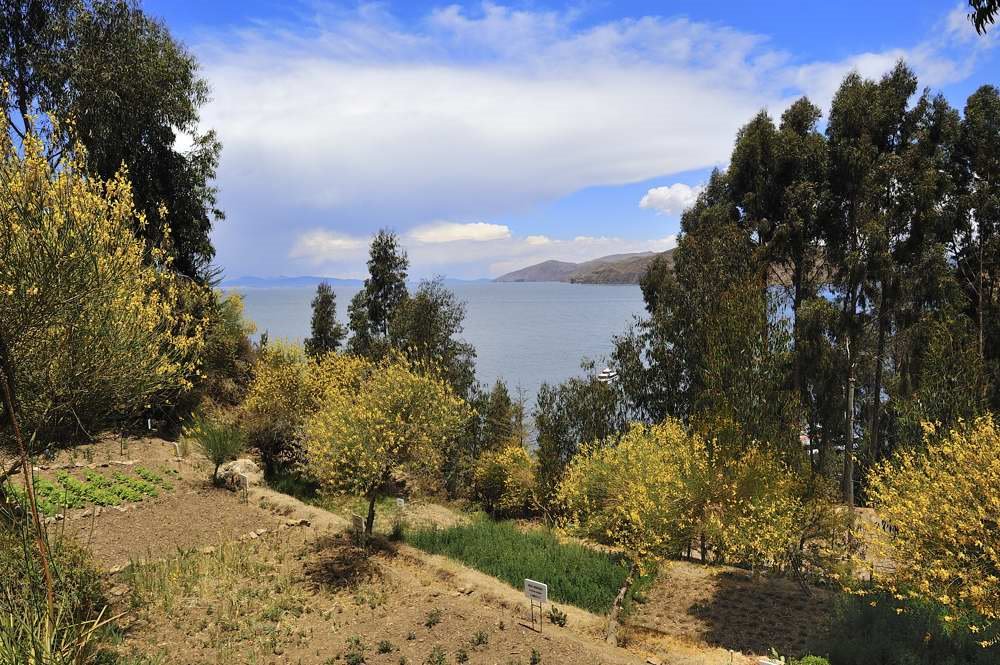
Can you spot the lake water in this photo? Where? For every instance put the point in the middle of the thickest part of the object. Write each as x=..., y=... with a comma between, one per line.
x=525, y=333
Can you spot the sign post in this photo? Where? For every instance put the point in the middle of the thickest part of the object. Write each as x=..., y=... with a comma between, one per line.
x=538, y=594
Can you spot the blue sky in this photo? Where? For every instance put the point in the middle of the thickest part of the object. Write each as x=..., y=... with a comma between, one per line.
x=491, y=136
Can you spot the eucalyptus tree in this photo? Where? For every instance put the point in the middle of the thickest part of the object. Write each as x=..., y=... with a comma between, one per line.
x=124, y=88
x=976, y=242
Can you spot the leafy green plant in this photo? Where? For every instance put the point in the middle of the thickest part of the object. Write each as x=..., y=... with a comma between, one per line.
x=355, y=654
x=433, y=618
x=461, y=656
x=436, y=656
x=557, y=616
x=536, y=657
x=218, y=441
x=480, y=639
x=385, y=646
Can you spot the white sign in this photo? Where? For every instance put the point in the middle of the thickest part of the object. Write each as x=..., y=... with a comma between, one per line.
x=536, y=591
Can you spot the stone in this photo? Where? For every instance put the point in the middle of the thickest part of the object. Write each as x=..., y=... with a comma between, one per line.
x=231, y=474
x=653, y=660
x=207, y=550
x=302, y=522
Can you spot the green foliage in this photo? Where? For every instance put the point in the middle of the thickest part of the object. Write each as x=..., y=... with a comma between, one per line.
x=425, y=325
x=504, y=482
x=535, y=658
x=557, y=616
x=218, y=441
x=575, y=574
x=437, y=656
x=72, y=635
x=984, y=14
x=227, y=357
x=281, y=398
x=327, y=334
x=90, y=61
x=433, y=618
x=373, y=307
x=880, y=630
x=568, y=416
x=89, y=334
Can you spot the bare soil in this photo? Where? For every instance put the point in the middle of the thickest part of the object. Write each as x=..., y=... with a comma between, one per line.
x=280, y=582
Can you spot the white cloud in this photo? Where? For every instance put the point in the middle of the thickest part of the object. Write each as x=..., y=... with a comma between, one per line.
x=328, y=244
x=325, y=251
x=483, y=113
x=451, y=232
x=671, y=199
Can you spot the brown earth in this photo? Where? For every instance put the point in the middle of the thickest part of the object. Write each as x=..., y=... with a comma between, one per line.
x=273, y=580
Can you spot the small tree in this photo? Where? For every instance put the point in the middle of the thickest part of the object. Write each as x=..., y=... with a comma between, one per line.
x=634, y=495
x=327, y=334
x=504, y=481
x=375, y=420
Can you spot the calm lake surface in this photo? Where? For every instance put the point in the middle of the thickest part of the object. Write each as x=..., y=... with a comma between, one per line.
x=526, y=333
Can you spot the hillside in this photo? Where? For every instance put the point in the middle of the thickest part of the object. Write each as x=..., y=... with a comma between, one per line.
x=612, y=269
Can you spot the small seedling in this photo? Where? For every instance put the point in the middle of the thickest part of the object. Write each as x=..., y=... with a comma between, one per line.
x=433, y=618
x=536, y=658
x=355, y=654
x=481, y=638
x=385, y=646
x=411, y=636
x=557, y=616
x=461, y=656
x=435, y=657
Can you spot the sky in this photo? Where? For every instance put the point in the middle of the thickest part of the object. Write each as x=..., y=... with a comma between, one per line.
x=492, y=136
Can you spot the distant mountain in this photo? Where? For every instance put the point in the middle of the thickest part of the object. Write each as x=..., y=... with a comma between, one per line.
x=252, y=282
x=546, y=271
x=612, y=269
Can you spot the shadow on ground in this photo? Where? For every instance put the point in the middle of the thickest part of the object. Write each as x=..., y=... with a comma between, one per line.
x=758, y=615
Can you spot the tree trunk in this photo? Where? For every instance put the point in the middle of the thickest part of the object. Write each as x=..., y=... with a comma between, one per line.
x=876, y=412
x=848, y=479
x=616, y=607
x=370, y=521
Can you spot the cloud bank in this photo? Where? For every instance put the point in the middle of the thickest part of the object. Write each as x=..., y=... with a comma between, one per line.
x=360, y=121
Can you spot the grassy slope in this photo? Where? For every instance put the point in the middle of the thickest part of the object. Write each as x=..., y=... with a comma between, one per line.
x=575, y=574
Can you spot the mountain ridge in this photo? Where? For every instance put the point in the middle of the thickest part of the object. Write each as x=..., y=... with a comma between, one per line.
x=611, y=269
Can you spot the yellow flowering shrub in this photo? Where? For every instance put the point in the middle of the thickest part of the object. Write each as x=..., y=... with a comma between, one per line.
x=945, y=504
x=503, y=481
x=375, y=419
x=87, y=310
x=634, y=494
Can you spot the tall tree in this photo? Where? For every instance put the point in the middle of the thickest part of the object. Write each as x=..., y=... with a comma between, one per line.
x=867, y=119
x=425, y=326
x=976, y=243
x=327, y=334
x=125, y=89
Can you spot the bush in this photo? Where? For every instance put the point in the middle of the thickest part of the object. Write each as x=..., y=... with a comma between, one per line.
x=220, y=442
x=944, y=505
x=281, y=397
x=575, y=574
x=504, y=482
x=87, y=310
x=880, y=630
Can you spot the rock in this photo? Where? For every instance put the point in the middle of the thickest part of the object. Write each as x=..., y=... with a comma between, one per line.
x=653, y=660
x=260, y=532
x=302, y=522
x=207, y=550
x=231, y=474
x=119, y=590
